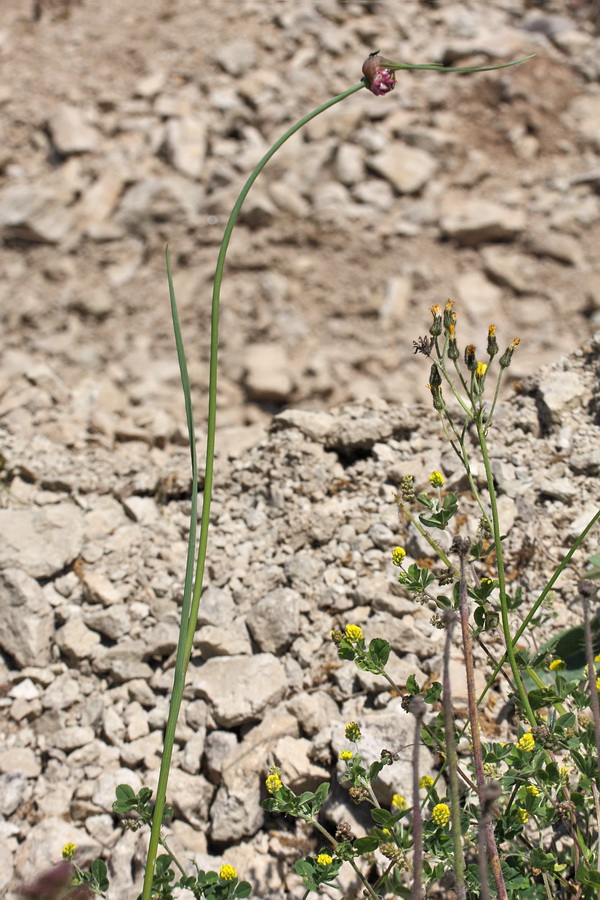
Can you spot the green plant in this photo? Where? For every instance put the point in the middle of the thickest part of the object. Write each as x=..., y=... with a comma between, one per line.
x=530, y=809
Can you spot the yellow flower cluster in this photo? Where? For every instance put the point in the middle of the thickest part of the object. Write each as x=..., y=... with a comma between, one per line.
x=426, y=781
x=353, y=732
x=324, y=859
x=522, y=816
x=68, y=850
x=273, y=783
x=398, y=554
x=354, y=633
x=557, y=665
x=531, y=789
x=526, y=743
x=399, y=802
x=440, y=814
x=480, y=370
x=227, y=873
x=346, y=755
x=436, y=479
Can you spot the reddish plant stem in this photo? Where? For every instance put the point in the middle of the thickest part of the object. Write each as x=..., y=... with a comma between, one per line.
x=462, y=547
x=417, y=708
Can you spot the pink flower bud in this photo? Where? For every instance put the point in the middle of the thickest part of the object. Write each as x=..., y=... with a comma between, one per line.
x=379, y=77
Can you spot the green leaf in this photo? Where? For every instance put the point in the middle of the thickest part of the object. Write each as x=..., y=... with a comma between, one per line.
x=411, y=686
x=243, y=889
x=379, y=651
x=382, y=817
x=366, y=844
x=124, y=792
x=433, y=693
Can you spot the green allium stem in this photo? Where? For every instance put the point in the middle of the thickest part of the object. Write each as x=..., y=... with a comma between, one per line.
x=508, y=639
x=189, y=618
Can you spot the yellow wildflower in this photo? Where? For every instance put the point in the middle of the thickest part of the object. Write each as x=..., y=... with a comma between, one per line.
x=353, y=732
x=354, y=633
x=526, y=742
x=346, y=755
x=436, y=479
x=426, y=781
x=440, y=814
x=398, y=554
x=273, y=783
x=227, y=873
x=324, y=859
x=399, y=802
x=68, y=850
x=557, y=664
x=522, y=816
x=531, y=789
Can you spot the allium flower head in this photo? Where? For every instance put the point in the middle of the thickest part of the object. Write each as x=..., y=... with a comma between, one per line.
x=354, y=633
x=440, y=814
x=227, y=873
x=379, y=77
x=526, y=742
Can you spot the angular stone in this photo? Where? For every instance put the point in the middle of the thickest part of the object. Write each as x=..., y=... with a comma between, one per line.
x=69, y=131
x=20, y=760
x=186, y=145
x=72, y=737
x=217, y=681
x=407, y=169
x=473, y=220
x=75, y=640
x=274, y=621
x=26, y=619
x=41, y=541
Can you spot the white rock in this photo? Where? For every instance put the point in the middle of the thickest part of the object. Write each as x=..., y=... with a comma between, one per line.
x=70, y=132
x=42, y=541
x=217, y=681
x=473, y=220
x=75, y=640
x=26, y=618
x=407, y=169
x=20, y=760
x=186, y=145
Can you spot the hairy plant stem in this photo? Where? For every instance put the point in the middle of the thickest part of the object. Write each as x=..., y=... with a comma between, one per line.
x=508, y=639
x=417, y=708
x=462, y=546
x=459, y=861
x=587, y=589
x=560, y=568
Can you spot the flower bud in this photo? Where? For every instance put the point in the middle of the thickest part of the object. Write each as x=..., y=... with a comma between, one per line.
x=436, y=326
x=379, y=78
x=470, y=358
x=492, y=347
x=506, y=358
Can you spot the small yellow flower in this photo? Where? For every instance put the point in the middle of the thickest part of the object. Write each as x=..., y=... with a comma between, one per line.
x=563, y=773
x=426, y=781
x=324, y=859
x=597, y=657
x=346, y=755
x=480, y=370
x=440, y=814
x=273, y=783
x=557, y=664
x=436, y=479
x=354, y=633
x=492, y=331
x=227, y=873
x=522, y=816
x=398, y=554
x=526, y=743
x=399, y=802
x=353, y=732
x=435, y=310
x=68, y=850
x=598, y=684
x=531, y=789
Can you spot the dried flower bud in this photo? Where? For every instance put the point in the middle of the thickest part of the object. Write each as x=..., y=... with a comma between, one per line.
x=436, y=325
x=470, y=358
x=408, y=490
x=492, y=346
x=506, y=358
x=435, y=379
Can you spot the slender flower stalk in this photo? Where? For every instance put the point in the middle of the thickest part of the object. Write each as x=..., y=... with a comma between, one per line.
x=449, y=618
x=588, y=589
x=462, y=546
x=417, y=708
